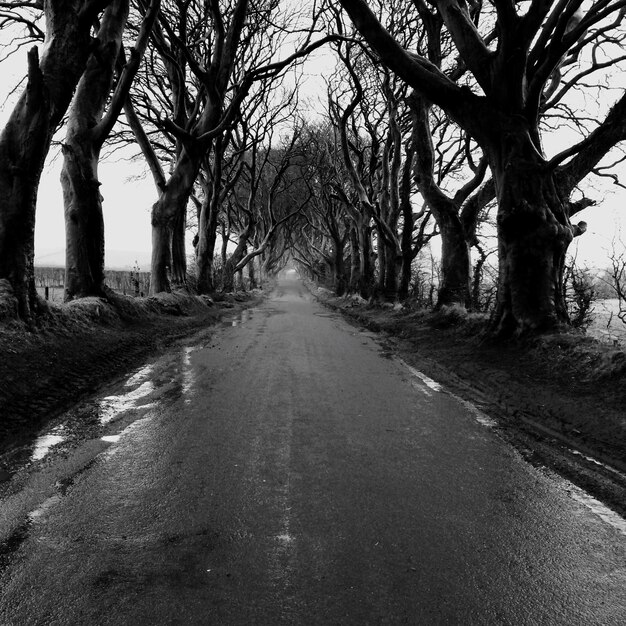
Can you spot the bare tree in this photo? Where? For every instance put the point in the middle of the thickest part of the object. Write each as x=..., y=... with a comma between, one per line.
x=87, y=130
x=271, y=194
x=617, y=280
x=213, y=55
x=507, y=57
x=26, y=138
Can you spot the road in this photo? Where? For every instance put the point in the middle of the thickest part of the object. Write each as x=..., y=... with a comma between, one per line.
x=285, y=468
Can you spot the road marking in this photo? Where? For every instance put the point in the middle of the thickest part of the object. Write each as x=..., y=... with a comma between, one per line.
x=429, y=382
x=607, y=515
x=599, y=509
x=477, y=414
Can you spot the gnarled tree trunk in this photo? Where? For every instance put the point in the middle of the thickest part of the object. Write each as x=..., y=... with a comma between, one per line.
x=534, y=232
x=167, y=213
x=340, y=271
x=84, y=223
x=366, y=279
x=455, y=262
x=355, y=262
x=179, y=252
x=207, y=236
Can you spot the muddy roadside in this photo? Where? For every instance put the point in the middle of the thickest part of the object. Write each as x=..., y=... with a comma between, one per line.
x=76, y=350
x=559, y=399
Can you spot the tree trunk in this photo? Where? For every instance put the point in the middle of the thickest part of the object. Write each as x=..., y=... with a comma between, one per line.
x=355, y=262
x=340, y=271
x=365, y=260
x=260, y=274
x=207, y=236
x=240, y=285
x=534, y=232
x=168, y=214
x=382, y=264
x=207, y=232
x=25, y=141
x=393, y=265
x=455, y=262
x=179, y=252
x=228, y=282
x=84, y=223
x=228, y=276
x=204, y=259
x=407, y=258
x=252, y=275
x=406, y=237
x=161, y=261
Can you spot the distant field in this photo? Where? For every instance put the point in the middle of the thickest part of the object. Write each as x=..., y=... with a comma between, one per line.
x=55, y=294
x=615, y=332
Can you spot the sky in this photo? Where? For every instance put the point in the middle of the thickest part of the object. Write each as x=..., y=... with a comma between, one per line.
x=129, y=193
x=127, y=188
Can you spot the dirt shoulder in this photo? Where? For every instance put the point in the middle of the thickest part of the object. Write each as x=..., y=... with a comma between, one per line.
x=560, y=399
x=77, y=349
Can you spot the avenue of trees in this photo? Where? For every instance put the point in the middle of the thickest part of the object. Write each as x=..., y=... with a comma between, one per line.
x=476, y=123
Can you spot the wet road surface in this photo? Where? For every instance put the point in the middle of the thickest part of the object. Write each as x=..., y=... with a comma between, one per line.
x=285, y=469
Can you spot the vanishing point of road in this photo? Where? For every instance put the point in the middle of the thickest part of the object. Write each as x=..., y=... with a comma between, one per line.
x=283, y=468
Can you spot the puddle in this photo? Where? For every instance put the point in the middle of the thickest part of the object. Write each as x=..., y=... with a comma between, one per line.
x=140, y=376
x=188, y=376
x=595, y=461
x=242, y=318
x=112, y=406
x=43, y=444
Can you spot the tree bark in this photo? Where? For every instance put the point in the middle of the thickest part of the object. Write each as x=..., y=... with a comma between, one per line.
x=455, y=262
x=84, y=222
x=355, y=262
x=179, y=251
x=365, y=260
x=207, y=236
x=340, y=271
x=230, y=266
x=252, y=275
x=455, y=251
x=24, y=143
x=393, y=266
x=167, y=213
x=534, y=232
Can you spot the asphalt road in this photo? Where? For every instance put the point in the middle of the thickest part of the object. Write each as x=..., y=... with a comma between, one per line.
x=286, y=469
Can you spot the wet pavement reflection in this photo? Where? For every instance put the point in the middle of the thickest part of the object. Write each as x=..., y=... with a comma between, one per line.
x=288, y=468
x=147, y=388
